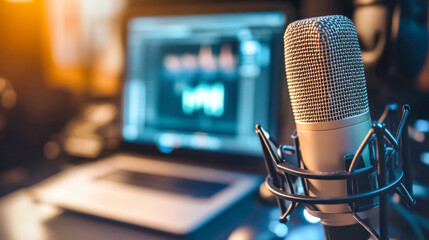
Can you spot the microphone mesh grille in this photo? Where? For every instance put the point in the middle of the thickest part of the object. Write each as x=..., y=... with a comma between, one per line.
x=324, y=70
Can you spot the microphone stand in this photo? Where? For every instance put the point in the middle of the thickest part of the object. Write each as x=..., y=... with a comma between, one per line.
x=385, y=166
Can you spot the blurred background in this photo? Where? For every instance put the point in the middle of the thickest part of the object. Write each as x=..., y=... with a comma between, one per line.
x=63, y=65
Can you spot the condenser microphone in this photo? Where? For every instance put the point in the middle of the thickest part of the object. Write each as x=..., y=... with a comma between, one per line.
x=326, y=82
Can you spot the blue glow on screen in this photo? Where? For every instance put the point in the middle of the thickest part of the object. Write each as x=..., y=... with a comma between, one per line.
x=202, y=81
x=207, y=97
x=250, y=47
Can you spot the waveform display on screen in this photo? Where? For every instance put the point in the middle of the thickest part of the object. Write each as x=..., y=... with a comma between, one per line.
x=209, y=98
x=205, y=60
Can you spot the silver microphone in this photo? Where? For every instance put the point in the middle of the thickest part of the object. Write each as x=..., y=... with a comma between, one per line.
x=327, y=88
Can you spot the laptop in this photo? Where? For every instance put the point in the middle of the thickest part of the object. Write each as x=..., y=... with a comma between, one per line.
x=196, y=83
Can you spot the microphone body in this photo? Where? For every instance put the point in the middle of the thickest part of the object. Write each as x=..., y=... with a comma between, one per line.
x=327, y=87
x=323, y=150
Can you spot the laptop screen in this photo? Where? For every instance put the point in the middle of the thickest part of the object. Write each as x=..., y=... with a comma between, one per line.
x=202, y=81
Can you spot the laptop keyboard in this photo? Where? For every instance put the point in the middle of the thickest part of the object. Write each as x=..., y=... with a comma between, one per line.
x=183, y=186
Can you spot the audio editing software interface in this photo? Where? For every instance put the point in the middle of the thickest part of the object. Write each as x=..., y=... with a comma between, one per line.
x=203, y=81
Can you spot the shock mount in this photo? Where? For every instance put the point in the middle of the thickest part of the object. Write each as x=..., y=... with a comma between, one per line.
x=367, y=186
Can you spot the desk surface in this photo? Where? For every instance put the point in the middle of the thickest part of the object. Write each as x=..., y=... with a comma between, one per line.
x=21, y=219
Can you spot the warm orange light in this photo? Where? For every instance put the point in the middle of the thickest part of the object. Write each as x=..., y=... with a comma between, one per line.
x=19, y=1
x=84, y=45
